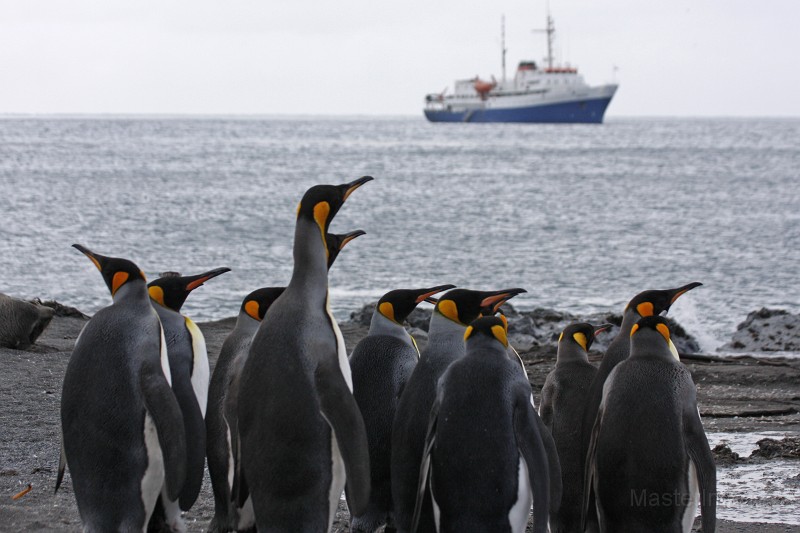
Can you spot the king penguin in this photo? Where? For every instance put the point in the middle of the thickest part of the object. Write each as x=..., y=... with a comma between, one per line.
x=450, y=318
x=121, y=426
x=485, y=460
x=563, y=396
x=381, y=364
x=647, y=303
x=188, y=363
x=301, y=433
x=649, y=461
x=221, y=420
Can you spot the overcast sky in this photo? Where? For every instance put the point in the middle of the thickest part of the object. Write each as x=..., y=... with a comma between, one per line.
x=673, y=58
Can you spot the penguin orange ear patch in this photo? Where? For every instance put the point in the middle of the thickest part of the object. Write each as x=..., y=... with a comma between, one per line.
x=118, y=281
x=449, y=309
x=505, y=321
x=321, y=212
x=561, y=336
x=580, y=338
x=468, y=332
x=634, y=329
x=664, y=330
x=645, y=309
x=387, y=310
x=499, y=333
x=157, y=294
x=251, y=308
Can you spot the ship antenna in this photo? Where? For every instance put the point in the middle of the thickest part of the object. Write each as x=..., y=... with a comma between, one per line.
x=503, y=44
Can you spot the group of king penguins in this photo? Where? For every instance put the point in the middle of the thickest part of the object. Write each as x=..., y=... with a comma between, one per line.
x=446, y=439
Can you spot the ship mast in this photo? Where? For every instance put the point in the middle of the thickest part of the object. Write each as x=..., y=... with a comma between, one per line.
x=550, y=30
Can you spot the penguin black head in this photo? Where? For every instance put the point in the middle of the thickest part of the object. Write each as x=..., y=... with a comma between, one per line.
x=171, y=291
x=396, y=305
x=655, y=302
x=320, y=203
x=492, y=327
x=115, y=270
x=651, y=334
x=582, y=334
x=464, y=305
x=336, y=243
x=257, y=302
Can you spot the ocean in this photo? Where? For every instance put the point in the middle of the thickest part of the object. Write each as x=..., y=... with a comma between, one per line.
x=582, y=216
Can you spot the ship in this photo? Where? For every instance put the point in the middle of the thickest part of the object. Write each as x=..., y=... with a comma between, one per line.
x=545, y=94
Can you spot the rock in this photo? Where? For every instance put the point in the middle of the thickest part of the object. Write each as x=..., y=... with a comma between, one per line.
x=723, y=455
x=62, y=310
x=787, y=448
x=766, y=330
x=22, y=322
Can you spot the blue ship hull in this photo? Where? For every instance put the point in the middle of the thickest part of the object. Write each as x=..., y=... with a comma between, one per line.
x=579, y=111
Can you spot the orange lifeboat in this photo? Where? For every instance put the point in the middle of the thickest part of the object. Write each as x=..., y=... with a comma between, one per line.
x=483, y=87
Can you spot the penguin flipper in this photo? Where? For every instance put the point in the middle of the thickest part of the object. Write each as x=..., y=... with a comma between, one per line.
x=340, y=410
x=553, y=463
x=162, y=406
x=195, y=456
x=531, y=446
x=588, y=470
x=62, y=466
x=700, y=454
x=424, y=467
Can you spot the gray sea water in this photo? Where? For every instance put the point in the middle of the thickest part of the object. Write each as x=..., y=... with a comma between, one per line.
x=582, y=216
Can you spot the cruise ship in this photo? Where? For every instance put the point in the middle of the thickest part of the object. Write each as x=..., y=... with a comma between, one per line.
x=537, y=93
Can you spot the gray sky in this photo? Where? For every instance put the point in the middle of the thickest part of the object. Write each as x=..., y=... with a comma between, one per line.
x=681, y=57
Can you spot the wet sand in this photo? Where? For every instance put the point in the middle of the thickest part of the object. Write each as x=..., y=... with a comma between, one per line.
x=740, y=394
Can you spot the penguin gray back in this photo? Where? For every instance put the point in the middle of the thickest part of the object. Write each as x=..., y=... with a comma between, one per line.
x=120, y=422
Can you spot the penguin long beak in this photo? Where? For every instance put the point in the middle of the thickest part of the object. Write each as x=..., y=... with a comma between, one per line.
x=680, y=291
x=195, y=281
x=349, y=188
x=97, y=259
x=602, y=328
x=427, y=296
x=496, y=299
x=347, y=237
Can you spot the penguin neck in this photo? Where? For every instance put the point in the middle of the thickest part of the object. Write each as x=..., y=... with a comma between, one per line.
x=132, y=293
x=245, y=324
x=570, y=352
x=483, y=347
x=445, y=341
x=650, y=344
x=380, y=325
x=629, y=318
x=310, y=274
x=441, y=326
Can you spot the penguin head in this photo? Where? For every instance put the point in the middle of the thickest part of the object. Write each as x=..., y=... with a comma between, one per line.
x=337, y=241
x=580, y=334
x=396, y=305
x=115, y=270
x=171, y=290
x=465, y=305
x=655, y=302
x=651, y=336
x=257, y=302
x=320, y=203
x=494, y=328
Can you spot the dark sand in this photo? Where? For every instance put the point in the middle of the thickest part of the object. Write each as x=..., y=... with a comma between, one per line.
x=742, y=395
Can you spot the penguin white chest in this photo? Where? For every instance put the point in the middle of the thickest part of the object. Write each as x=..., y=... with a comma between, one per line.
x=518, y=514
x=153, y=478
